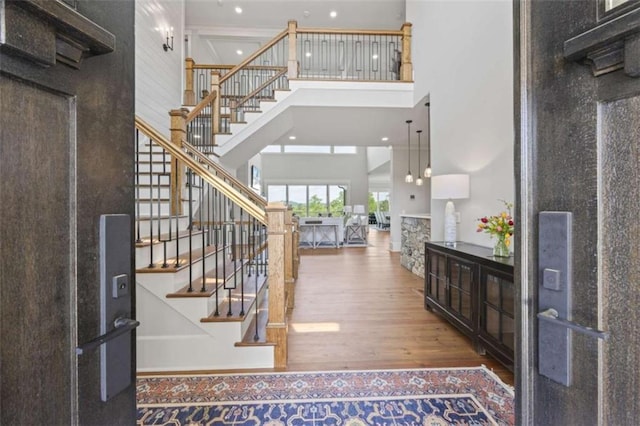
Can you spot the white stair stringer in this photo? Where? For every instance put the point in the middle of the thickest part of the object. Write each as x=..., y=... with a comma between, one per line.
x=241, y=144
x=171, y=337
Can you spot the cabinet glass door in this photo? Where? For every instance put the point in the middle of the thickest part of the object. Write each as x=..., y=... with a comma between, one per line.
x=460, y=284
x=498, y=309
x=437, y=278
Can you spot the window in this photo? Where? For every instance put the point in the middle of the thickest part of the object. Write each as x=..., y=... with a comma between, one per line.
x=308, y=149
x=277, y=193
x=272, y=148
x=344, y=150
x=310, y=200
x=379, y=201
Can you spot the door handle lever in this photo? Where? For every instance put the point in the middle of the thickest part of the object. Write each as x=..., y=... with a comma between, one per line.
x=551, y=315
x=122, y=326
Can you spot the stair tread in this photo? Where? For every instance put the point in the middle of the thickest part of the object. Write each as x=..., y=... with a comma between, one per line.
x=236, y=301
x=212, y=281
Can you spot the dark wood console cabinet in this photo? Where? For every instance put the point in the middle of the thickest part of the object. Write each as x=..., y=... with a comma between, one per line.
x=474, y=291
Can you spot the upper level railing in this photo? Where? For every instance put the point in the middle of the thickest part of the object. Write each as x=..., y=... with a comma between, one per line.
x=295, y=53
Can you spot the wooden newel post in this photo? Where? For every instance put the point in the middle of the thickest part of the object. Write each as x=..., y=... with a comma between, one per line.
x=292, y=64
x=178, y=134
x=406, y=67
x=289, y=260
x=277, y=322
x=189, y=94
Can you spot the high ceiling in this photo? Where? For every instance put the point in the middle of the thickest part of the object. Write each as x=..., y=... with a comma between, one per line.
x=221, y=32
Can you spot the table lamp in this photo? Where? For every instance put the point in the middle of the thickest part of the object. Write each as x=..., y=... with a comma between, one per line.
x=450, y=187
x=358, y=209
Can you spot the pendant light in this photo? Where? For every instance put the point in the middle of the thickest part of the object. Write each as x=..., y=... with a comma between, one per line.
x=427, y=171
x=419, y=179
x=409, y=177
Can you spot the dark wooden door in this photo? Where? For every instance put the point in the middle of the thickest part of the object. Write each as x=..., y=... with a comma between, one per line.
x=578, y=152
x=66, y=157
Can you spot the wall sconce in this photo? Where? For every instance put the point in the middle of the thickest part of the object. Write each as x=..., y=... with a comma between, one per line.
x=427, y=171
x=450, y=187
x=168, y=44
x=419, y=179
x=409, y=177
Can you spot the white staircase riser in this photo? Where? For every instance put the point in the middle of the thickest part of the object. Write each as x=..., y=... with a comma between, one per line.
x=145, y=208
x=164, y=283
x=147, y=192
x=143, y=253
x=197, y=353
x=155, y=168
x=145, y=224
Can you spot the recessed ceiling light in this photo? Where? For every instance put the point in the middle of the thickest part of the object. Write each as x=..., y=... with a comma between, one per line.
x=333, y=13
x=238, y=10
x=384, y=139
x=375, y=56
x=308, y=54
x=239, y=52
x=292, y=138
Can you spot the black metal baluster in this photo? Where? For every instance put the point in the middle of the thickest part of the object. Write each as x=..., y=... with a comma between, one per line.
x=138, y=239
x=151, y=264
x=204, y=269
x=217, y=249
x=190, y=198
x=168, y=239
x=242, y=264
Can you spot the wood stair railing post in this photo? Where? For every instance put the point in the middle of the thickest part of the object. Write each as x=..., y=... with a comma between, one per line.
x=215, y=107
x=189, y=97
x=406, y=67
x=178, y=134
x=292, y=64
x=277, y=322
x=289, y=259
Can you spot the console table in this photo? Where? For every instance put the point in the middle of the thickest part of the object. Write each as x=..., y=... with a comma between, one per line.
x=474, y=291
x=319, y=235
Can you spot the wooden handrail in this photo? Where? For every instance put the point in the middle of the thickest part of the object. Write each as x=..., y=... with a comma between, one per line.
x=201, y=105
x=222, y=186
x=283, y=71
x=229, y=67
x=349, y=32
x=253, y=56
x=221, y=171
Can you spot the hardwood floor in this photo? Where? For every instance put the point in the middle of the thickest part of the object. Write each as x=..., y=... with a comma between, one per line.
x=357, y=308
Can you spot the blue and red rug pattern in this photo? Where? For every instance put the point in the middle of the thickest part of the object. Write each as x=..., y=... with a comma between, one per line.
x=449, y=396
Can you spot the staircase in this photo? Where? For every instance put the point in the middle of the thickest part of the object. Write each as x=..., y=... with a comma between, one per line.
x=201, y=294
x=206, y=245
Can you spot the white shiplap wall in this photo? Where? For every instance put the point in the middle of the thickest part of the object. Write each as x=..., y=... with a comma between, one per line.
x=159, y=74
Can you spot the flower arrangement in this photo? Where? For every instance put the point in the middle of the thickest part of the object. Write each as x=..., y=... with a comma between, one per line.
x=500, y=226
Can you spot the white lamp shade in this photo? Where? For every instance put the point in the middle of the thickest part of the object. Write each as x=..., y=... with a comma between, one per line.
x=358, y=209
x=449, y=187
x=347, y=209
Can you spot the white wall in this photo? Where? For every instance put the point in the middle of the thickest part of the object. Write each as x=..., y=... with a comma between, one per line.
x=350, y=169
x=158, y=73
x=401, y=192
x=463, y=57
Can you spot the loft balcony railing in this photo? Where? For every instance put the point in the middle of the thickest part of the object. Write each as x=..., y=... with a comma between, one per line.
x=294, y=54
x=227, y=236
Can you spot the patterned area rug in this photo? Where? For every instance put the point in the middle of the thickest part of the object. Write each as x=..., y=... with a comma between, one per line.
x=451, y=396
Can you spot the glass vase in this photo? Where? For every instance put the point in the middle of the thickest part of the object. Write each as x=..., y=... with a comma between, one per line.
x=500, y=249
